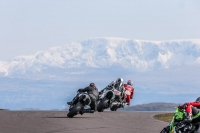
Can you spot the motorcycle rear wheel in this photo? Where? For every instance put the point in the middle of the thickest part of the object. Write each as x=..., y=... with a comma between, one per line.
x=197, y=129
x=114, y=108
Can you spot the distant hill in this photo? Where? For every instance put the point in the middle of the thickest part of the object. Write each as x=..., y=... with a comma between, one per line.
x=161, y=106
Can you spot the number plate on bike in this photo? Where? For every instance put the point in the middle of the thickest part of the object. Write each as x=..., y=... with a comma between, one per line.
x=116, y=92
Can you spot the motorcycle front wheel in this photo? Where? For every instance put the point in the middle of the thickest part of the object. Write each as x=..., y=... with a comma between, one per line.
x=103, y=104
x=76, y=109
x=114, y=108
x=166, y=129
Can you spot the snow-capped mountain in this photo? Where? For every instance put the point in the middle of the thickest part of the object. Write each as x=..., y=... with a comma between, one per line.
x=133, y=55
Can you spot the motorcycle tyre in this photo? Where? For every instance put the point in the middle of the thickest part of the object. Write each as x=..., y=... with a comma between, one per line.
x=75, y=110
x=198, y=130
x=114, y=108
x=165, y=130
x=102, y=104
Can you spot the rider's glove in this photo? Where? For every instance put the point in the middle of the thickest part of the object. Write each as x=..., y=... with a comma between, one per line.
x=182, y=106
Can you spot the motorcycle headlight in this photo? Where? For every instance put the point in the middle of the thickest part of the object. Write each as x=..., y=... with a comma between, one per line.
x=109, y=95
x=87, y=101
x=82, y=97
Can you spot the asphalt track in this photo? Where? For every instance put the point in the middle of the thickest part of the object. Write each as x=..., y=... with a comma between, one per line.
x=58, y=122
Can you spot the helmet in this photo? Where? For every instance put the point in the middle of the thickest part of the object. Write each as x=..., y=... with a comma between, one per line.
x=198, y=99
x=120, y=80
x=130, y=82
x=92, y=85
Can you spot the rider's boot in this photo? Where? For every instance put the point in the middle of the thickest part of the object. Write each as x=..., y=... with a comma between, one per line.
x=73, y=101
x=122, y=104
x=81, y=112
x=188, y=118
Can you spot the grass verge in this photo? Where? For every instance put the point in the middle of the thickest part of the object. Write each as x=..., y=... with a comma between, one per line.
x=165, y=117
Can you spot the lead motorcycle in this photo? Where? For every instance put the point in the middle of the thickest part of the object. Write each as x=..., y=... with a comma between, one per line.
x=177, y=124
x=79, y=106
x=109, y=99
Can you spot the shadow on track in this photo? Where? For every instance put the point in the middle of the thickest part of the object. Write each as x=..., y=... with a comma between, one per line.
x=65, y=117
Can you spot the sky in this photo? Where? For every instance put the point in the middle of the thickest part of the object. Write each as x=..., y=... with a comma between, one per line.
x=36, y=25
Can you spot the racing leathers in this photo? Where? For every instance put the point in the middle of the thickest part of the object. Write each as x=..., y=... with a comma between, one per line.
x=94, y=94
x=129, y=93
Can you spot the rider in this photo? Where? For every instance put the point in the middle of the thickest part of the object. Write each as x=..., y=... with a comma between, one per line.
x=129, y=91
x=118, y=85
x=92, y=92
x=190, y=109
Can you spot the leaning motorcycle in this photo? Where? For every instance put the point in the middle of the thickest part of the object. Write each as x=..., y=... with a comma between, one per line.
x=78, y=107
x=116, y=104
x=109, y=99
x=177, y=124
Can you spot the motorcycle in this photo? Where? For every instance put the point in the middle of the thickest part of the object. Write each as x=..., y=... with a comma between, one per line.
x=115, y=104
x=178, y=125
x=109, y=99
x=83, y=101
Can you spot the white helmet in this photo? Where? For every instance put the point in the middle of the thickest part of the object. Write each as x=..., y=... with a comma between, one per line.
x=120, y=81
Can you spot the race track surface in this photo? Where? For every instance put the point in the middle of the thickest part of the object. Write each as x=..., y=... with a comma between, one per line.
x=58, y=122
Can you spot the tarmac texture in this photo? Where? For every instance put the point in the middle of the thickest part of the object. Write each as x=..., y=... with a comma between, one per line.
x=98, y=122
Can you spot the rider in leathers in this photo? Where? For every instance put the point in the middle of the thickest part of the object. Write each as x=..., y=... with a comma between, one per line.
x=93, y=93
x=190, y=108
x=129, y=88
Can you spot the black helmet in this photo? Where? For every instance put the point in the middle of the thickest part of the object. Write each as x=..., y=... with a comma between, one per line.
x=92, y=85
x=198, y=99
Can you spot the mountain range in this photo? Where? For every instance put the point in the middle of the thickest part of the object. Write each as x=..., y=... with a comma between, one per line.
x=162, y=71
x=132, y=55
